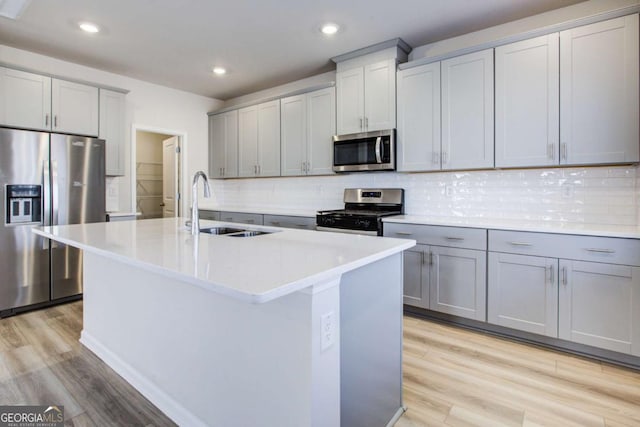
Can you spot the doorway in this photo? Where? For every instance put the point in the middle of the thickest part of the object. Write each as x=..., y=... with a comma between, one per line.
x=157, y=173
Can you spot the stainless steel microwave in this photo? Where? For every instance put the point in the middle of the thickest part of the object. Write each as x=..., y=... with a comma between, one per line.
x=368, y=151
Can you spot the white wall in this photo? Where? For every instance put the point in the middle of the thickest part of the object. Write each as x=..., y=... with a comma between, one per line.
x=148, y=105
x=593, y=195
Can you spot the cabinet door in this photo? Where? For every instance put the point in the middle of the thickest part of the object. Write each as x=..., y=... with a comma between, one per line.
x=599, y=92
x=527, y=97
x=350, y=100
x=248, y=141
x=418, y=143
x=25, y=100
x=294, y=135
x=600, y=305
x=458, y=282
x=269, y=138
x=210, y=215
x=112, y=129
x=416, y=276
x=285, y=221
x=74, y=107
x=380, y=95
x=321, y=126
x=467, y=111
x=217, y=146
x=231, y=144
x=523, y=293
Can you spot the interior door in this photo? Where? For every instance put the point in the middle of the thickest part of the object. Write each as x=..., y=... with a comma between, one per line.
x=170, y=153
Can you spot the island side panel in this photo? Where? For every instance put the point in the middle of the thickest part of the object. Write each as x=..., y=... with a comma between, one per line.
x=206, y=359
x=371, y=343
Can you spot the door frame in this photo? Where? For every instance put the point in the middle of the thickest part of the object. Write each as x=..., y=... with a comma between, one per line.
x=182, y=135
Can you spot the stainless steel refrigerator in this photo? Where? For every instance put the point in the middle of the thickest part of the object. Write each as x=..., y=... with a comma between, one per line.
x=45, y=179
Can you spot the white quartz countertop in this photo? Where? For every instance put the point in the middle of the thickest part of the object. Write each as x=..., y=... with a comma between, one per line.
x=630, y=232
x=264, y=211
x=254, y=269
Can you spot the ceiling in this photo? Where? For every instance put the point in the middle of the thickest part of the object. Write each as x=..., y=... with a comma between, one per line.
x=262, y=43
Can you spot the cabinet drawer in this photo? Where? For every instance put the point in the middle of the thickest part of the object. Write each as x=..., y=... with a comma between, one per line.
x=300, y=222
x=457, y=237
x=211, y=215
x=586, y=248
x=241, y=217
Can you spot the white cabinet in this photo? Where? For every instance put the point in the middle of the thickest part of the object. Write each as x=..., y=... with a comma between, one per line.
x=599, y=92
x=366, y=97
x=112, y=129
x=467, y=111
x=308, y=124
x=446, y=271
x=25, y=100
x=523, y=293
x=223, y=145
x=527, y=103
x=74, y=107
x=259, y=140
x=600, y=305
x=418, y=133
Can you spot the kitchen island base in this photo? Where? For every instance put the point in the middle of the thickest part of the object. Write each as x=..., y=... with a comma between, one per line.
x=327, y=355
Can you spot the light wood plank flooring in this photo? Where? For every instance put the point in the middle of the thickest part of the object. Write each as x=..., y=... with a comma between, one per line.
x=453, y=377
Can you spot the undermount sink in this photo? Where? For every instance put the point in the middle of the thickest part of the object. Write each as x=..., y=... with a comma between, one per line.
x=233, y=232
x=220, y=230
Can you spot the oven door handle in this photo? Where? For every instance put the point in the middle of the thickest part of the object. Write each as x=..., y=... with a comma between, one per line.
x=378, y=149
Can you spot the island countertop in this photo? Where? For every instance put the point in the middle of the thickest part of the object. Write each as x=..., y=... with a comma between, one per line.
x=254, y=269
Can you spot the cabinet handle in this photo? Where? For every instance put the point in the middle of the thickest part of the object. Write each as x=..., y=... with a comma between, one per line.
x=456, y=239
x=430, y=258
x=259, y=171
x=551, y=151
x=361, y=123
x=564, y=276
x=276, y=223
x=552, y=274
x=366, y=122
x=403, y=233
x=422, y=258
x=46, y=119
x=520, y=244
x=228, y=219
x=601, y=251
x=563, y=151
x=55, y=121
x=445, y=160
x=435, y=158
x=307, y=167
x=224, y=170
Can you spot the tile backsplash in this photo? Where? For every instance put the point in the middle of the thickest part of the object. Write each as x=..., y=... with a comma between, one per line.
x=593, y=195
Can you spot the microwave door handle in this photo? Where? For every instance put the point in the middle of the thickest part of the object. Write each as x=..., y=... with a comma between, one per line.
x=378, y=148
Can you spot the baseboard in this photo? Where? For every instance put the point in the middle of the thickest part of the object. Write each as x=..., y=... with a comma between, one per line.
x=172, y=409
x=396, y=417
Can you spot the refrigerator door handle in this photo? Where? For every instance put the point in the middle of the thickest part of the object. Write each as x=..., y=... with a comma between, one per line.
x=54, y=192
x=46, y=187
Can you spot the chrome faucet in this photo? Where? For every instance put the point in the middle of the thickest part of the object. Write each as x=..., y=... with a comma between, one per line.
x=195, y=215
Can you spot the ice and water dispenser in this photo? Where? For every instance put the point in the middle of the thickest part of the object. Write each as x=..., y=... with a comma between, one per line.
x=23, y=203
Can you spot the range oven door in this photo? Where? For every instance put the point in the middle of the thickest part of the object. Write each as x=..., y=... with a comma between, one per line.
x=349, y=231
x=369, y=151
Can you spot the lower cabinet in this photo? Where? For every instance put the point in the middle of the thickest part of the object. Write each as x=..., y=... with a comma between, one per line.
x=600, y=305
x=241, y=217
x=523, y=293
x=286, y=221
x=448, y=279
x=576, y=288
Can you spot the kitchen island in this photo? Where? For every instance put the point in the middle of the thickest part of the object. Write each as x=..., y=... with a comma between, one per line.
x=290, y=328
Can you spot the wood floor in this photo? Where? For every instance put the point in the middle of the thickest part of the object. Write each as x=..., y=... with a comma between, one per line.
x=452, y=377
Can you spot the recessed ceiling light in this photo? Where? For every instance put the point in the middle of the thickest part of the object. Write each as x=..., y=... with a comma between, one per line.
x=89, y=27
x=329, y=28
x=219, y=71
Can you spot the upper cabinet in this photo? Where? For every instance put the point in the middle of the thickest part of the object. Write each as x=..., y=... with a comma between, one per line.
x=223, y=145
x=112, y=129
x=599, y=92
x=25, y=99
x=418, y=142
x=527, y=102
x=366, y=97
x=74, y=107
x=307, y=126
x=259, y=140
x=467, y=111
x=456, y=94
x=33, y=101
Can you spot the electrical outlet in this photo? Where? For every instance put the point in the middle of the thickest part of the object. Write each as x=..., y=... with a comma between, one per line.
x=327, y=330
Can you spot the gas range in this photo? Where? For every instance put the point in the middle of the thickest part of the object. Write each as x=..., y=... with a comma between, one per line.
x=363, y=211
